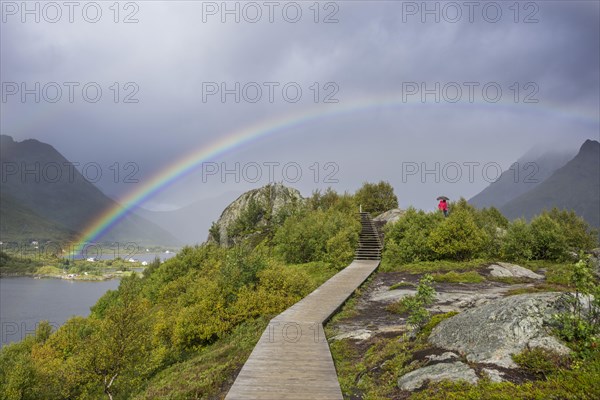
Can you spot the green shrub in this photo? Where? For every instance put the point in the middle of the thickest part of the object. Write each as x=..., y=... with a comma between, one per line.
x=401, y=285
x=317, y=236
x=340, y=248
x=517, y=244
x=577, y=233
x=376, y=198
x=540, y=361
x=548, y=239
x=457, y=237
x=406, y=240
x=415, y=305
x=247, y=222
x=580, y=323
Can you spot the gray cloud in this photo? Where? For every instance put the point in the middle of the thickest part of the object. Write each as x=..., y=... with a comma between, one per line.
x=370, y=53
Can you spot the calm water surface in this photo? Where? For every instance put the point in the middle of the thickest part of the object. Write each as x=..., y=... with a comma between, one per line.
x=25, y=301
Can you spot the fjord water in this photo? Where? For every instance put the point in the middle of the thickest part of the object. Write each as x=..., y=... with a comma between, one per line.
x=25, y=301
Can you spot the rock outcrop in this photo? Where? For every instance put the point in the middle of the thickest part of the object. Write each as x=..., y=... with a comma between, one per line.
x=389, y=216
x=493, y=332
x=506, y=270
x=454, y=371
x=267, y=201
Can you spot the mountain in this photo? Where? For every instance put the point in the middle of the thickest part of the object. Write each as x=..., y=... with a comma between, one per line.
x=574, y=186
x=522, y=176
x=190, y=223
x=20, y=224
x=43, y=183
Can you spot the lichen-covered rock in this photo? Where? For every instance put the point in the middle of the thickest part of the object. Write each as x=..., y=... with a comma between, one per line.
x=493, y=332
x=359, y=334
x=494, y=375
x=389, y=216
x=455, y=371
x=442, y=357
x=502, y=269
x=268, y=200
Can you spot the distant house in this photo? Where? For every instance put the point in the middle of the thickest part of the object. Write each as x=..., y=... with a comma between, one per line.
x=34, y=243
x=144, y=263
x=91, y=259
x=132, y=260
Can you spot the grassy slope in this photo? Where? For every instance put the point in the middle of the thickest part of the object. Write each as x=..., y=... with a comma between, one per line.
x=20, y=224
x=210, y=373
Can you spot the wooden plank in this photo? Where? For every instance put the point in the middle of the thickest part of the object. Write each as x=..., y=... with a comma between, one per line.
x=292, y=358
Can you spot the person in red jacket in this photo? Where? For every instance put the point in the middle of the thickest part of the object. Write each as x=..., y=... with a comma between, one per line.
x=443, y=206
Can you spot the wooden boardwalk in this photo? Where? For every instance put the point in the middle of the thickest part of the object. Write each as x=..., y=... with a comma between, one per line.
x=292, y=358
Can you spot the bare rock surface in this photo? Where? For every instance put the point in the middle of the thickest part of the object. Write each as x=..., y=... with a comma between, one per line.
x=493, y=332
x=389, y=216
x=454, y=371
x=506, y=270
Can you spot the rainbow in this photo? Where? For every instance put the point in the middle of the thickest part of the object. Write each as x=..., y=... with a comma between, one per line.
x=104, y=222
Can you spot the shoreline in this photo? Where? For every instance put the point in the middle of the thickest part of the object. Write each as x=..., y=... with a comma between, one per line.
x=68, y=277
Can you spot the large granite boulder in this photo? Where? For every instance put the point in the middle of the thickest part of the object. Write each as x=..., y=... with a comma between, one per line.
x=493, y=332
x=268, y=200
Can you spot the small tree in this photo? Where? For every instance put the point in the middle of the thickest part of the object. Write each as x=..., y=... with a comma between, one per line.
x=548, y=239
x=117, y=351
x=518, y=242
x=580, y=323
x=418, y=315
x=376, y=198
x=578, y=234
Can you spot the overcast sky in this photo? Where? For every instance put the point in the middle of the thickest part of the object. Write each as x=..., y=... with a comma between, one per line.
x=372, y=57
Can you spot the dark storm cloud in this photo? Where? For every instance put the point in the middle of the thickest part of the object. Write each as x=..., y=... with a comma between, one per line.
x=370, y=53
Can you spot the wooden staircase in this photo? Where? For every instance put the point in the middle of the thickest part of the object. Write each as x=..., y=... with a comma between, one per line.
x=369, y=243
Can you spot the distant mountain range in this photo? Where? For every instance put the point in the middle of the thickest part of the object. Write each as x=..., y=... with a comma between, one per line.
x=522, y=176
x=42, y=207
x=45, y=198
x=572, y=184
x=190, y=224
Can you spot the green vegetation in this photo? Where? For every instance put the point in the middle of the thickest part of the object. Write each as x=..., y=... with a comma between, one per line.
x=49, y=265
x=540, y=361
x=376, y=198
x=12, y=265
x=538, y=288
x=425, y=267
x=579, y=324
x=579, y=382
x=453, y=250
x=469, y=234
x=21, y=224
x=209, y=370
x=402, y=285
x=183, y=328
x=371, y=370
x=415, y=305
